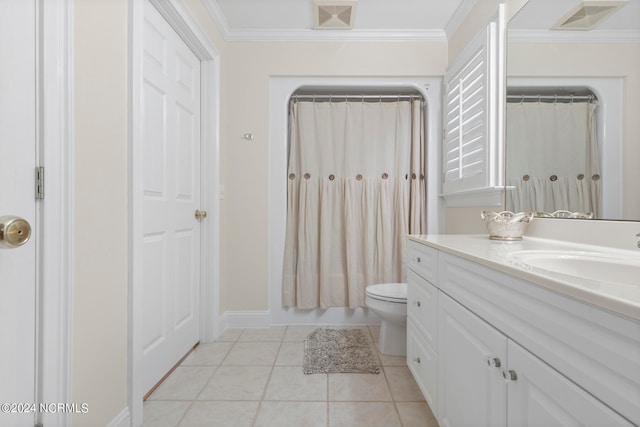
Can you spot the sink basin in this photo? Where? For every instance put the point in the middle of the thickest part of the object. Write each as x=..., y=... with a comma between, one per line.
x=592, y=266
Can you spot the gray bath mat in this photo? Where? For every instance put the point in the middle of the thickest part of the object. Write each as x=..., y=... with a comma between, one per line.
x=339, y=351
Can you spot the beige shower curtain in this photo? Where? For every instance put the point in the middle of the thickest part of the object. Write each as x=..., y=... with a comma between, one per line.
x=356, y=188
x=552, y=157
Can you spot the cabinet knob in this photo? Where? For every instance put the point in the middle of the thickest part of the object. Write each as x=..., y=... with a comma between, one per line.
x=417, y=259
x=493, y=362
x=417, y=303
x=509, y=375
x=416, y=359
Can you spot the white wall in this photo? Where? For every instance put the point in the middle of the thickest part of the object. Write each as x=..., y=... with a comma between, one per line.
x=246, y=73
x=99, y=340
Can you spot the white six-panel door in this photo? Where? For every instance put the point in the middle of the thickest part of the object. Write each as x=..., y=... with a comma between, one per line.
x=171, y=185
x=17, y=164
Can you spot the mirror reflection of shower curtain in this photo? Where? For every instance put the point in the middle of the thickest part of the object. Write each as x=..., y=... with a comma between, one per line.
x=552, y=157
x=356, y=188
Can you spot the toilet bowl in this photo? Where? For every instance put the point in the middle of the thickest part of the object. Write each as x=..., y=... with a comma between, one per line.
x=389, y=301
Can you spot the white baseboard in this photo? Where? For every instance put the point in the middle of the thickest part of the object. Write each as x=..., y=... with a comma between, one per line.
x=293, y=316
x=327, y=316
x=123, y=419
x=245, y=319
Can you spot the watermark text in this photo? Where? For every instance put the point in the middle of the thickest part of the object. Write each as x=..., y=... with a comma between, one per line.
x=45, y=408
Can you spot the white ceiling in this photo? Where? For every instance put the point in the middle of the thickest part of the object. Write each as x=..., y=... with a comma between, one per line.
x=401, y=19
x=371, y=14
x=379, y=19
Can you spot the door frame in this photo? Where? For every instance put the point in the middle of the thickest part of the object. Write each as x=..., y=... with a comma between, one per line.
x=181, y=20
x=54, y=214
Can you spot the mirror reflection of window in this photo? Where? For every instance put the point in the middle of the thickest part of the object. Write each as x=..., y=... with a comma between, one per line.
x=552, y=154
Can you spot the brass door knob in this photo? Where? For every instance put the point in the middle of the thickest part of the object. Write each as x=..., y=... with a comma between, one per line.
x=14, y=231
x=200, y=214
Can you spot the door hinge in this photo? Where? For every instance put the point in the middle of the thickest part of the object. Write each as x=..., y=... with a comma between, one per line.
x=40, y=182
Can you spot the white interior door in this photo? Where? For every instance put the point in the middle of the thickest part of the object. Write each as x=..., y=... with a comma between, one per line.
x=171, y=185
x=17, y=164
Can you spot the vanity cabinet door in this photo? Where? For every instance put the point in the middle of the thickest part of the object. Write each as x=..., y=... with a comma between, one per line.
x=539, y=396
x=472, y=354
x=423, y=364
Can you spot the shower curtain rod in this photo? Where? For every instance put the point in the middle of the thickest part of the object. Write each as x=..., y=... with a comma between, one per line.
x=578, y=98
x=326, y=97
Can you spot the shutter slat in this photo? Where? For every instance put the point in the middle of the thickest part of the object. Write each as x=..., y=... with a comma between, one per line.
x=465, y=118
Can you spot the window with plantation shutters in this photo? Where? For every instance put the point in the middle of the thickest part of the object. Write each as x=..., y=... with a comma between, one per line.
x=472, y=139
x=466, y=121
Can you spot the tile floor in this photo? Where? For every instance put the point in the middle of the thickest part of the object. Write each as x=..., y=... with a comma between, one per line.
x=253, y=377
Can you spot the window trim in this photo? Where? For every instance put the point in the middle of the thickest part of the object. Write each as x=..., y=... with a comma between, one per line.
x=482, y=184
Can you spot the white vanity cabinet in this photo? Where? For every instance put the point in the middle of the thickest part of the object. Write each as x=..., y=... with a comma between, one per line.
x=487, y=379
x=511, y=353
x=422, y=326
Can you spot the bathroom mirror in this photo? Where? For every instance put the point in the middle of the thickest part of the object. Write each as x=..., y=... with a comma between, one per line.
x=596, y=55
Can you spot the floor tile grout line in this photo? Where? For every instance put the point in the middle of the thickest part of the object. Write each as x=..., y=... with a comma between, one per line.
x=266, y=386
x=327, y=401
x=207, y=383
x=384, y=370
x=217, y=368
x=286, y=400
x=185, y=413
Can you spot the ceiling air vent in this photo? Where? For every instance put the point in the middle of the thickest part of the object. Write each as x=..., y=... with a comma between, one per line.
x=333, y=14
x=588, y=14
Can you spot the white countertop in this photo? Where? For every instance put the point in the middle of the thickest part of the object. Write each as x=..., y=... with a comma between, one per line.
x=618, y=298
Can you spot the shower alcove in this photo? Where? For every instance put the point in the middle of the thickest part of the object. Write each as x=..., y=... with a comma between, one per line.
x=281, y=91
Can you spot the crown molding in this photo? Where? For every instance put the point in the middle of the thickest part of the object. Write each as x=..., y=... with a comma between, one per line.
x=218, y=17
x=310, y=35
x=458, y=17
x=568, y=36
x=334, y=35
x=183, y=22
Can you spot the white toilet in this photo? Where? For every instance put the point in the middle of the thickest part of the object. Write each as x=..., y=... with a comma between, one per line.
x=389, y=301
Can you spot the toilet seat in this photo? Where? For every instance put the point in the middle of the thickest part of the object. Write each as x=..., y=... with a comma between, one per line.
x=391, y=292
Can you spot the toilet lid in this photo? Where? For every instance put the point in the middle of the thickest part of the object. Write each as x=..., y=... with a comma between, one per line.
x=396, y=292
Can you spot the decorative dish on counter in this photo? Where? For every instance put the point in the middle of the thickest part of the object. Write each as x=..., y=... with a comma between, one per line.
x=565, y=214
x=506, y=225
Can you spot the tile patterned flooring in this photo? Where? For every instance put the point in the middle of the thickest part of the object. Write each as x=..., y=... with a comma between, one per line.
x=253, y=377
